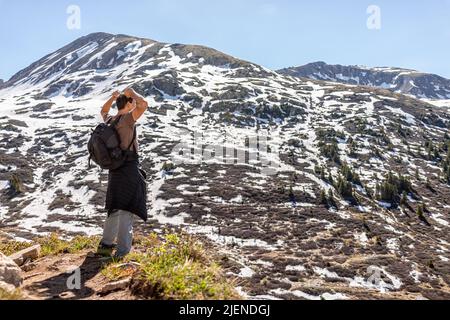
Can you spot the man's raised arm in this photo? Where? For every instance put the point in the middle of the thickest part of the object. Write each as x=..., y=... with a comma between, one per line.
x=107, y=106
x=141, y=103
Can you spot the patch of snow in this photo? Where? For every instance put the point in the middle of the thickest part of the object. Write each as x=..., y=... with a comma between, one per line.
x=362, y=238
x=4, y=184
x=301, y=294
x=295, y=268
x=246, y=272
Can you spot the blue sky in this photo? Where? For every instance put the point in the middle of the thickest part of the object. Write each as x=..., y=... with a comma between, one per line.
x=276, y=34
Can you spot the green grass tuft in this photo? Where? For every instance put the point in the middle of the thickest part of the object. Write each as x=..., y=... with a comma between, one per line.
x=52, y=245
x=10, y=247
x=175, y=267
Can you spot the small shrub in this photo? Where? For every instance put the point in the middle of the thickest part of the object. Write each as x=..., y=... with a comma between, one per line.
x=16, y=185
x=420, y=211
x=168, y=167
x=323, y=197
x=11, y=295
x=10, y=247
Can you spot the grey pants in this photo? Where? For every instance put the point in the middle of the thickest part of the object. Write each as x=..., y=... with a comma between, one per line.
x=119, y=225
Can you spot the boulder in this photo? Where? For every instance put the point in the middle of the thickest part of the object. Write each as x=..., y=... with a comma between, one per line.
x=115, y=286
x=10, y=273
x=25, y=255
x=7, y=287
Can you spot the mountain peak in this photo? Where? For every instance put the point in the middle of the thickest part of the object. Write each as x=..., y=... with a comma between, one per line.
x=105, y=36
x=97, y=36
x=317, y=63
x=100, y=57
x=400, y=80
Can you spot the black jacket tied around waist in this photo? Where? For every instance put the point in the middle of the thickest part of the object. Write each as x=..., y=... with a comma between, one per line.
x=127, y=190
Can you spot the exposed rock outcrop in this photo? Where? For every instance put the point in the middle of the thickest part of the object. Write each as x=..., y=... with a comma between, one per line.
x=10, y=274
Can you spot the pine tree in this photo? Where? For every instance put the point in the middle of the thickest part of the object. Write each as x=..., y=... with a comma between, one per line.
x=349, y=174
x=377, y=191
x=317, y=169
x=322, y=173
x=404, y=184
x=323, y=197
x=447, y=175
x=404, y=200
x=420, y=211
x=331, y=151
x=330, y=194
x=330, y=178
x=331, y=201
x=436, y=154
x=344, y=188
x=446, y=168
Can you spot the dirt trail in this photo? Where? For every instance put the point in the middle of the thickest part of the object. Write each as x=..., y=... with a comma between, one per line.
x=53, y=276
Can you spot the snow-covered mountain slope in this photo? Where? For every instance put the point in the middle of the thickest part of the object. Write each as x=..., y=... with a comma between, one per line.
x=439, y=103
x=418, y=84
x=328, y=221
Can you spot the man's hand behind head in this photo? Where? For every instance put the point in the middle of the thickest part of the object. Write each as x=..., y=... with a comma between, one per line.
x=129, y=92
x=116, y=94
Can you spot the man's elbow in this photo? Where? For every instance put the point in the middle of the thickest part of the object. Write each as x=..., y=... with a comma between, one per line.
x=144, y=105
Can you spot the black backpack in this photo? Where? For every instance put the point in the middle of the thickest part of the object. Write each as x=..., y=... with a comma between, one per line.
x=104, y=147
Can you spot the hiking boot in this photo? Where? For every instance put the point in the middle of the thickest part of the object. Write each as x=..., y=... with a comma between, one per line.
x=105, y=250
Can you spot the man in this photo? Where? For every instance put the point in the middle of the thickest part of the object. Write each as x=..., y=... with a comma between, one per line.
x=127, y=190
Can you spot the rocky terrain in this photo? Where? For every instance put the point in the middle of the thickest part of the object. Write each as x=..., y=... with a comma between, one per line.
x=348, y=200
x=411, y=82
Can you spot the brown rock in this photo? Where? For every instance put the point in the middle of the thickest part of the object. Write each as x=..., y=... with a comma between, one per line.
x=114, y=286
x=10, y=273
x=31, y=253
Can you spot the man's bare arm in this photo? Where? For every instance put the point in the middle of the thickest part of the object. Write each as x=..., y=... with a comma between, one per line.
x=107, y=106
x=141, y=103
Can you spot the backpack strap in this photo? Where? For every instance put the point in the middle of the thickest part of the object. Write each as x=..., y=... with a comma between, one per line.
x=115, y=122
x=133, y=140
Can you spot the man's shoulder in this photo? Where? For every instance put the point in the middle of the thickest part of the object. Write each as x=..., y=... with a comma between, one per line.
x=124, y=118
x=129, y=119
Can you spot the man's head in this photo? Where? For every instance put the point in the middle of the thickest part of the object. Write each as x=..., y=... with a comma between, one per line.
x=124, y=102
